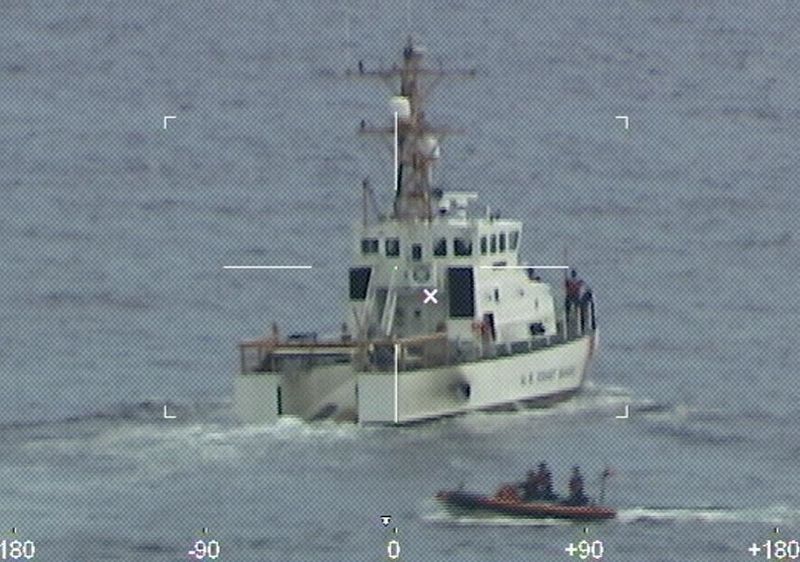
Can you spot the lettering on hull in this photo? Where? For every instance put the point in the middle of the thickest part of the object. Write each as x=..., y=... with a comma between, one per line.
x=547, y=375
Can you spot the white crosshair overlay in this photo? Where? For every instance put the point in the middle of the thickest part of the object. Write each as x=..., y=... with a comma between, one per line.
x=168, y=117
x=266, y=267
x=167, y=416
x=624, y=118
x=396, y=154
x=430, y=296
x=397, y=383
x=626, y=415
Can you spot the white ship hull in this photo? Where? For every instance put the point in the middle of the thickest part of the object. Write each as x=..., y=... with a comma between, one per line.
x=442, y=316
x=338, y=392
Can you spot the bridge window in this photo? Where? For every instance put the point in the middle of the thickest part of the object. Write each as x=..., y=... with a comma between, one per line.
x=392, y=247
x=369, y=246
x=462, y=247
x=416, y=252
x=484, y=245
x=502, y=242
x=513, y=239
x=493, y=244
x=440, y=247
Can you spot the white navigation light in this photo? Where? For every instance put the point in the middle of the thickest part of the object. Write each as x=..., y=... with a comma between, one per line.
x=401, y=106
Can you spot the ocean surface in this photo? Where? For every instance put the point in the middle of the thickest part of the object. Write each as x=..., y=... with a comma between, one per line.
x=114, y=301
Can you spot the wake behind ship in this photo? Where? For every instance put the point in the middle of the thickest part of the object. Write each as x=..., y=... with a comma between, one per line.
x=443, y=318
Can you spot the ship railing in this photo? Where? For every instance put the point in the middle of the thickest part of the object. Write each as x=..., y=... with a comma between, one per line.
x=412, y=353
x=522, y=346
x=436, y=350
x=405, y=354
x=272, y=355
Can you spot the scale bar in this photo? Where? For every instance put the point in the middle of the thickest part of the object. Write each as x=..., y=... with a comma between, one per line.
x=266, y=267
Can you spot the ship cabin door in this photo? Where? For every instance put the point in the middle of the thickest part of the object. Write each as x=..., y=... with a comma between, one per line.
x=488, y=321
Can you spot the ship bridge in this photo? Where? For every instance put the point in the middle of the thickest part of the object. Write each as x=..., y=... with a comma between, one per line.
x=470, y=266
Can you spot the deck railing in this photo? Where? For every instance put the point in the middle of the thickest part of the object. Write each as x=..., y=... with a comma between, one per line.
x=272, y=355
x=412, y=353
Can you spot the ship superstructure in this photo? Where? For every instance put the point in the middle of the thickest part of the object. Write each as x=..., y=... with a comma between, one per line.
x=443, y=318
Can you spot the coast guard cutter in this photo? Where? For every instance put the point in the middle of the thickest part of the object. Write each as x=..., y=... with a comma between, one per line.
x=442, y=316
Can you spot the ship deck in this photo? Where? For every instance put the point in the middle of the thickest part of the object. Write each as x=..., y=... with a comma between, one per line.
x=420, y=352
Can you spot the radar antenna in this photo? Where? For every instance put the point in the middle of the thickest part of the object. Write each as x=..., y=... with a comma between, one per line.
x=416, y=141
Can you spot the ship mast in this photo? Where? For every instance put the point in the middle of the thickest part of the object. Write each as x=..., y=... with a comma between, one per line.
x=417, y=141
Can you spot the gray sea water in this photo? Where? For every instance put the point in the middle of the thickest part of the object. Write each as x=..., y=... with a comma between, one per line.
x=114, y=231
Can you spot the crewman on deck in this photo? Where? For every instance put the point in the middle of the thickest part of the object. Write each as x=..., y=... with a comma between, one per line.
x=574, y=287
x=538, y=485
x=577, y=496
x=546, y=483
x=530, y=486
x=587, y=309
